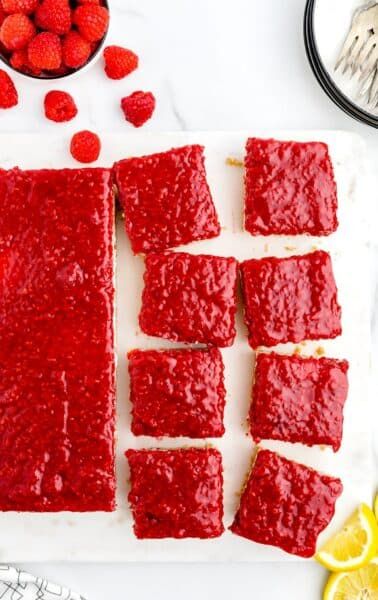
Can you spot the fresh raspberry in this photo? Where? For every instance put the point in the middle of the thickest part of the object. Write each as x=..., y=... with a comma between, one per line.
x=16, y=31
x=85, y=146
x=19, y=59
x=2, y=16
x=54, y=16
x=59, y=106
x=45, y=51
x=19, y=6
x=119, y=62
x=88, y=2
x=76, y=50
x=138, y=107
x=92, y=21
x=8, y=92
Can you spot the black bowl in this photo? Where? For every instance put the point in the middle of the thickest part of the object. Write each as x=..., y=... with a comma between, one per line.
x=322, y=75
x=50, y=77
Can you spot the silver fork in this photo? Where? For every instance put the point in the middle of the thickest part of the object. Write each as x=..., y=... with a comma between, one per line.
x=359, y=53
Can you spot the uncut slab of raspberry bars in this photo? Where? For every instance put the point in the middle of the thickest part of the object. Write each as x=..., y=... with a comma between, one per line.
x=286, y=504
x=190, y=298
x=56, y=329
x=290, y=299
x=177, y=392
x=166, y=199
x=176, y=493
x=289, y=188
x=298, y=399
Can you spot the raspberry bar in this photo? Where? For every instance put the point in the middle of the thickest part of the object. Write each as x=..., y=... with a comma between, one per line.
x=166, y=199
x=190, y=298
x=297, y=399
x=177, y=393
x=57, y=394
x=286, y=504
x=176, y=493
x=289, y=188
x=290, y=299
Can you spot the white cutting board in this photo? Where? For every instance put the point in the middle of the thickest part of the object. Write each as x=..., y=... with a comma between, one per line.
x=109, y=537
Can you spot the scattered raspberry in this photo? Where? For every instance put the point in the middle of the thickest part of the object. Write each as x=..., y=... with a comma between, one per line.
x=19, y=6
x=8, y=92
x=119, y=62
x=76, y=50
x=16, y=31
x=92, y=21
x=45, y=51
x=85, y=146
x=138, y=107
x=59, y=106
x=2, y=16
x=54, y=16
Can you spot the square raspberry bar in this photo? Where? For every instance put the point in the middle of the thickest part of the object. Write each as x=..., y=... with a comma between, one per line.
x=289, y=188
x=166, y=199
x=176, y=493
x=177, y=393
x=286, y=504
x=190, y=298
x=297, y=399
x=290, y=299
x=57, y=393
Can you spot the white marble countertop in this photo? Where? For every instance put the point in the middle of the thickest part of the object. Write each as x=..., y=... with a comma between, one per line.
x=212, y=65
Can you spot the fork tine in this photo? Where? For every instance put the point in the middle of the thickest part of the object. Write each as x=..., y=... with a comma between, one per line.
x=366, y=55
x=365, y=87
x=357, y=49
x=373, y=92
x=349, y=43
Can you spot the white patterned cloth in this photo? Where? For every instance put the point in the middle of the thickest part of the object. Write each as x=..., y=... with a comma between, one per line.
x=19, y=585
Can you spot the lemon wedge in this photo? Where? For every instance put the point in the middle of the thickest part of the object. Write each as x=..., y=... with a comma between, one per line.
x=355, y=585
x=354, y=546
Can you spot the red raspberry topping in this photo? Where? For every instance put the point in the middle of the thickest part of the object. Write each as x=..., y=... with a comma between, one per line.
x=76, y=50
x=119, y=62
x=85, y=146
x=138, y=107
x=8, y=92
x=45, y=51
x=19, y=6
x=59, y=106
x=54, y=16
x=16, y=31
x=92, y=21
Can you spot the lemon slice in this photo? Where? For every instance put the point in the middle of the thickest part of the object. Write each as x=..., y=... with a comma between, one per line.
x=354, y=546
x=356, y=585
x=376, y=506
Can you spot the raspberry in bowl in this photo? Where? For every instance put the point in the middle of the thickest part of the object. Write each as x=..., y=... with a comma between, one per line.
x=51, y=39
